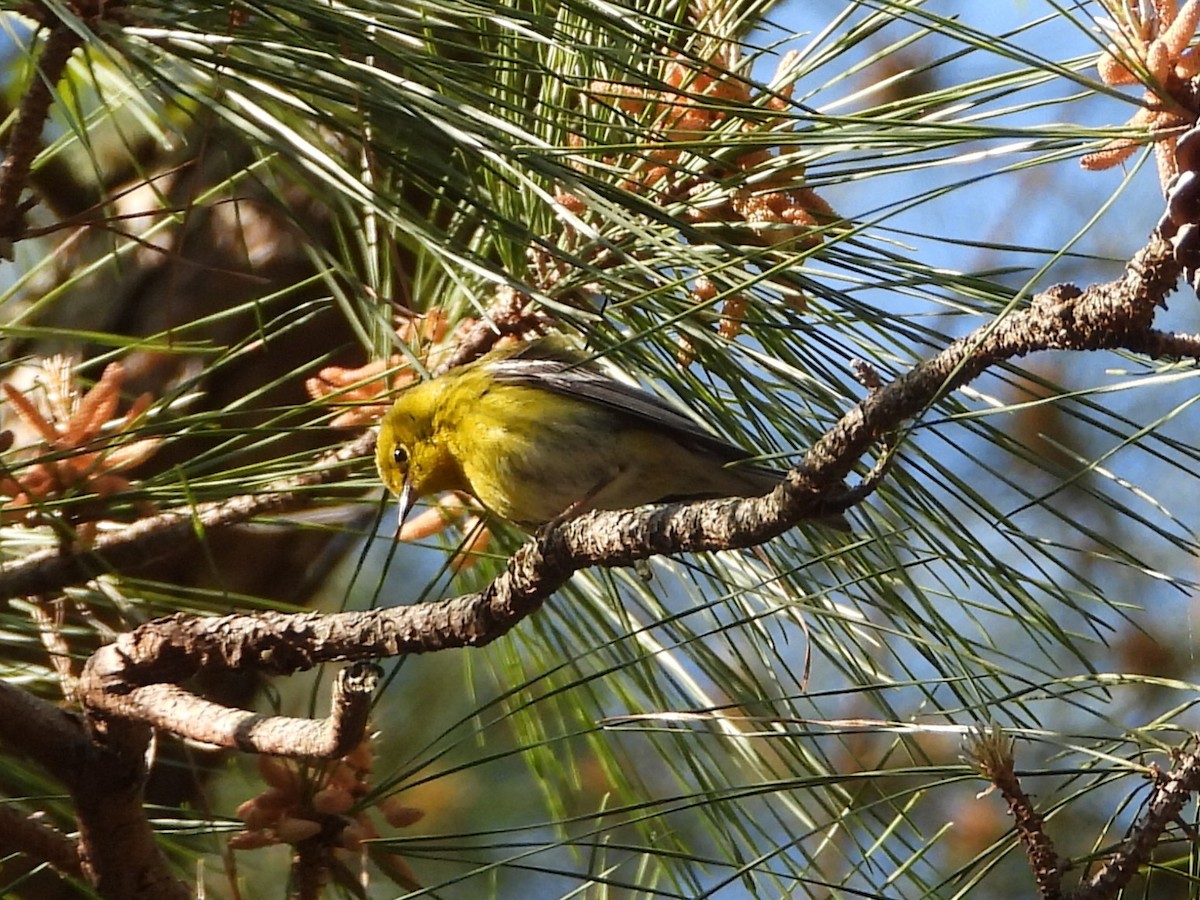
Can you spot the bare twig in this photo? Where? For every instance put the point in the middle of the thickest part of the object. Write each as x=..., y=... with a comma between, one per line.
x=174, y=709
x=991, y=751
x=47, y=614
x=25, y=139
x=1171, y=791
x=1160, y=344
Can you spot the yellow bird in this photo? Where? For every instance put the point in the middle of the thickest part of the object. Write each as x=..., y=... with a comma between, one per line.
x=535, y=433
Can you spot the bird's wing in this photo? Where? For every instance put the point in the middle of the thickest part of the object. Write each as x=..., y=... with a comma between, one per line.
x=568, y=373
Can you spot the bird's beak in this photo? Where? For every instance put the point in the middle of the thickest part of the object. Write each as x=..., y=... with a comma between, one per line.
x=407, y=499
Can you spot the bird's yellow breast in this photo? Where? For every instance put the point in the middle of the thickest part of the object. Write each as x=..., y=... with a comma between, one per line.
x=528, y=454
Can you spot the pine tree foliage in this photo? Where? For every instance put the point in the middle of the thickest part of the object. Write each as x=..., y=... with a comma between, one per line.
x=256, y=220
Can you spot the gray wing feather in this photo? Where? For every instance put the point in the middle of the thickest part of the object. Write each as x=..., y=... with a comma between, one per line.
x=573, y=378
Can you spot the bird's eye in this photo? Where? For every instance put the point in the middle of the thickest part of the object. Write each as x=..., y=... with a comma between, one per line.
x=400, y=456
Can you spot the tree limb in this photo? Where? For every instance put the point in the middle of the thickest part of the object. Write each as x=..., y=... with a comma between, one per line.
x=172, y=708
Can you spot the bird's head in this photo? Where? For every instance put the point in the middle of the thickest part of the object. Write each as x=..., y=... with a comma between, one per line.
x=413, y=460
